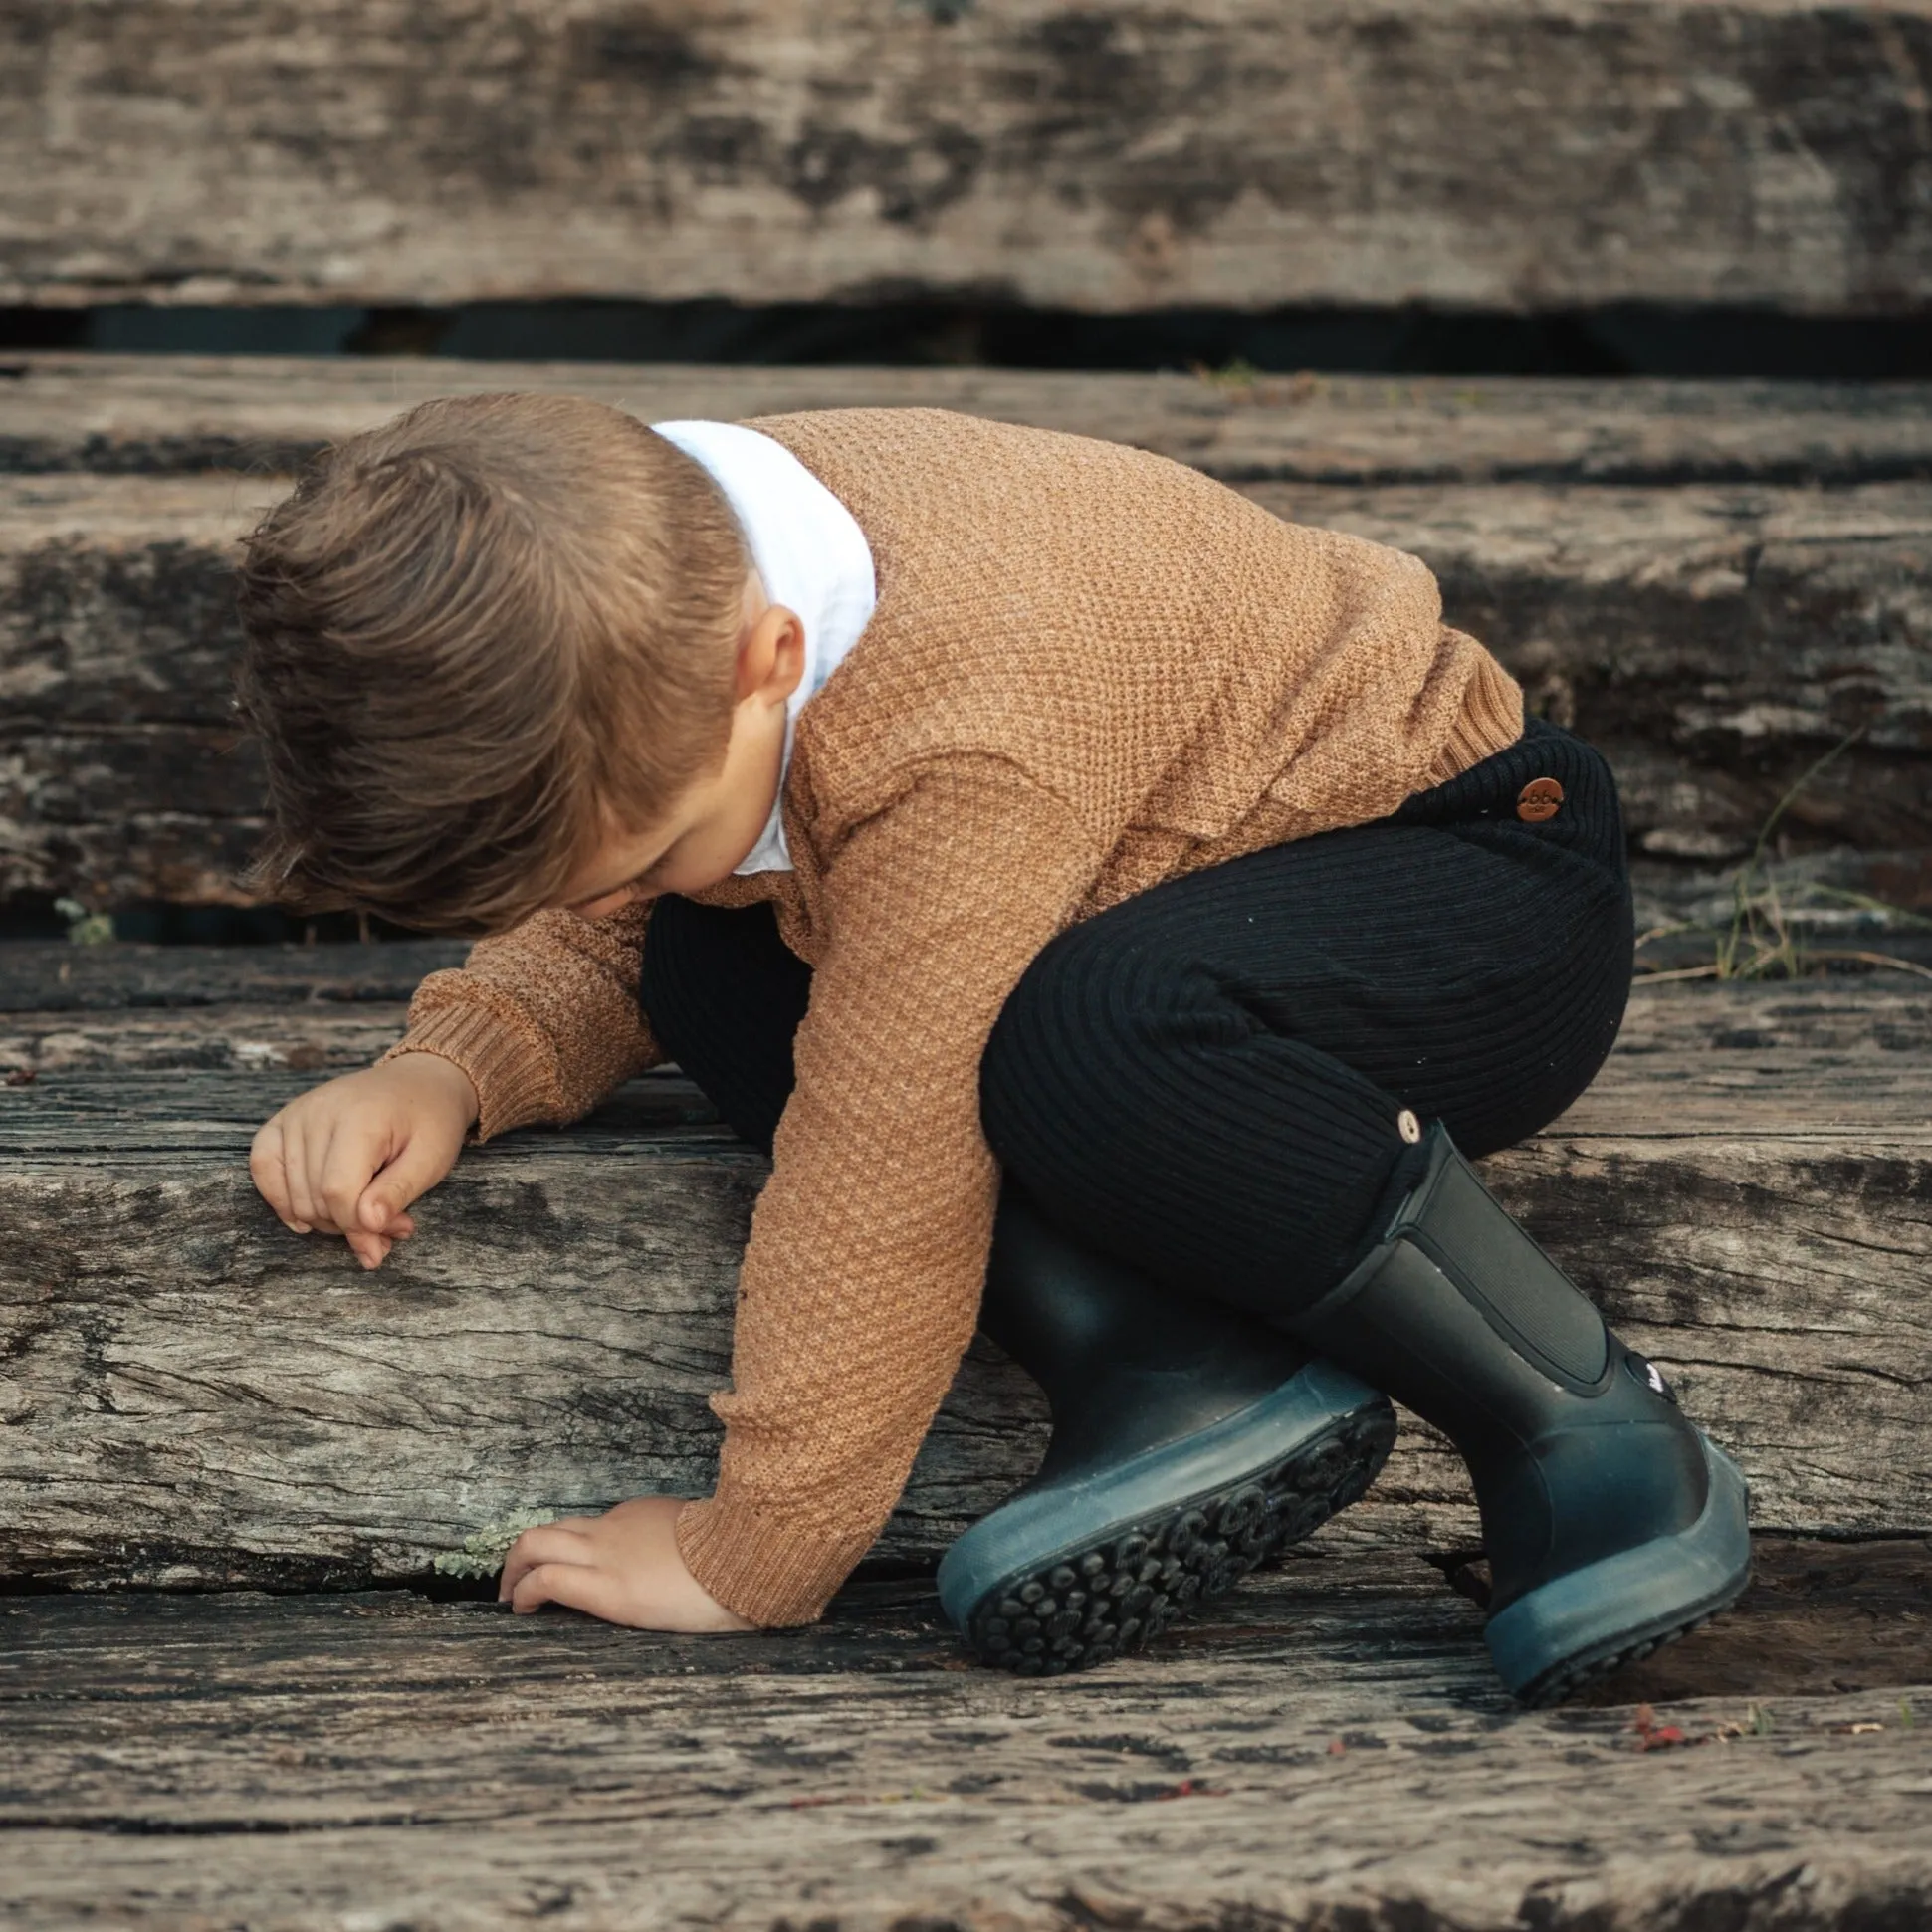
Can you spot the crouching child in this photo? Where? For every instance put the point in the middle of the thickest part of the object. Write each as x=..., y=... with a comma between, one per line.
x=1119, y=913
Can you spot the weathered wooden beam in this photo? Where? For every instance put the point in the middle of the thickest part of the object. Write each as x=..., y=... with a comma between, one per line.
x=1706, y=1033
x=53, y=977
x=246, y=1039
x=1715, y=641
x=1832, y=1022
x=1328, y=1750
x=150, y=415
x=294, y=1008
x=1534, y=154
x=196, y=1395
x=1819, y=1617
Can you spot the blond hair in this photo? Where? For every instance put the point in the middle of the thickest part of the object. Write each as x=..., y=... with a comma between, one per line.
x=474, y=639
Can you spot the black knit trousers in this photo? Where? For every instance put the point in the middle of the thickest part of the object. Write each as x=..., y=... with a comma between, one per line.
x=1206, y=1082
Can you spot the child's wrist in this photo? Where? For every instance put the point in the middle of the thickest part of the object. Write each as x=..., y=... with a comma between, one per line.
x=445, y=1078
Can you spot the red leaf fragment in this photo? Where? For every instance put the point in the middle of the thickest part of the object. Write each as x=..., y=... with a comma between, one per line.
x=1653, y=1736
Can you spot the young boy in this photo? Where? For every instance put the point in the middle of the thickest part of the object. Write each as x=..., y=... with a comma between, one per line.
x=1090, y=887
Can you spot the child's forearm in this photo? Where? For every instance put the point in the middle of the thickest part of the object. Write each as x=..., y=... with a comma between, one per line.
x=860, y=1289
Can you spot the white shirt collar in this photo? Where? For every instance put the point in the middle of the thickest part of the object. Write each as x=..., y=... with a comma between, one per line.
x=811, y=556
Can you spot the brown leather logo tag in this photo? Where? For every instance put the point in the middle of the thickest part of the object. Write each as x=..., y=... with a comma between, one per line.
x=1538, y=800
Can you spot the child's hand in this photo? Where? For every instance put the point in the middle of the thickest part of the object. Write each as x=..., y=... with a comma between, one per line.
x=348, y=1158
x=622, y=1565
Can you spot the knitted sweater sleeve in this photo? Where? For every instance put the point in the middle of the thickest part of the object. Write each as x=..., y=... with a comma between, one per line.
x=544, y=1019
x=860, y=1287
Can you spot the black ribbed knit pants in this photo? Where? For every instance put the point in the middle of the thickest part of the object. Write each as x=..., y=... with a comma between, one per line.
x=1208, y=1081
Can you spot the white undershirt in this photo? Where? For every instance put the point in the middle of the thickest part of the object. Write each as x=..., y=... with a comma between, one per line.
x=811, y=556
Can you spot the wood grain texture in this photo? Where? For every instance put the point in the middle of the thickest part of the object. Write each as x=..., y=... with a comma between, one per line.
x=246, y=1039
x=1681, y=1046
x=1535, y=154
x=192, y=1395
x=1690, y=1044
x=294, y=1008
x=1846, y=1021
x=135, y=414
x=1714, y=640
x=51, y=977
x=1329, y=1751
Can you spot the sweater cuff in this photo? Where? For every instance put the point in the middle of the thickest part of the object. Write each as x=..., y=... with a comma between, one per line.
x=761, y=1569
x=514, y=1079
x=1490, y=721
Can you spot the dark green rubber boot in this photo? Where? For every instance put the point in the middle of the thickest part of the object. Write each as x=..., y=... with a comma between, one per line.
x=1189, y=1443
x=1611, y=1524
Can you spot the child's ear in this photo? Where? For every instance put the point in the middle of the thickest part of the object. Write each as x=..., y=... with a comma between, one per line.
x=772, y=658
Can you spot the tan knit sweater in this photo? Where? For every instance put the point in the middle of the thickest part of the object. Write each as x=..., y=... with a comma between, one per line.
x=1090, y=670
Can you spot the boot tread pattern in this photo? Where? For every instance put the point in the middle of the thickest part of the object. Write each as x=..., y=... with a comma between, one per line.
x=1107, y=1598
x=1579, y=1673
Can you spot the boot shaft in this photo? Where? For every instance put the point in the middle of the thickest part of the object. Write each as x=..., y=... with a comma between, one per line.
x=1575, y=1442
x=1125, y=1362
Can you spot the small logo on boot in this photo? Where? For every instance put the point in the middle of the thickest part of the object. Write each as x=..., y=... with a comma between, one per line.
x=1650, y=1376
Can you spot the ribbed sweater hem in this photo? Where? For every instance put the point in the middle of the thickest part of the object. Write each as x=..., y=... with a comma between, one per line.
x=761, y=1569
x=515, y=1080
x=1490, y=721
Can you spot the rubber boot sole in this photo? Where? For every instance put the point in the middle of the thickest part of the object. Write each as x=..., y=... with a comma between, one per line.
x=1575, y=1630
x=1081, y=1570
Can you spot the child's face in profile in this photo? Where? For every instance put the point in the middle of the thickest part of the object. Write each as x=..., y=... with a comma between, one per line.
x=714, y=827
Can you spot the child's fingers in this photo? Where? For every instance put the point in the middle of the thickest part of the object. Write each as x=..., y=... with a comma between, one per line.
x=271, y=1167
x=355, y=1151
x=576, y=1586
x=295, y=1165
x=418, y=1165
x=266, y=1170
x=546, y=1544
x=369, y=1249
x=374, y=1249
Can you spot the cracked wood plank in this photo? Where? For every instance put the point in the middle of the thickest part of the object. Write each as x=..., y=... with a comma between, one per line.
x=1852, y=1019
x=295, y=1009
x=195, y=1395
x=1326, y=1747
x=1715, y=641
x=1712, y=643
x=1819, y=1617
x=1531, y=155
x=136, y=415
x=53, y=977
x=245, y=1039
